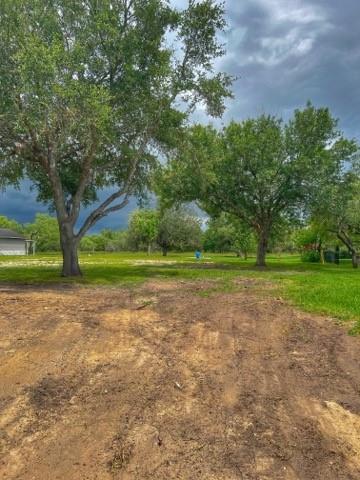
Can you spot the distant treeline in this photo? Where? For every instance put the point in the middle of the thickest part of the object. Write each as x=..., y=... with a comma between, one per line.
x=179, y=230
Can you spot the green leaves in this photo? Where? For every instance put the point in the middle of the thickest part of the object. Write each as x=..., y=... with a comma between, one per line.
x=198, y=27
x=45, y=231
x=143, y=227
x=226, y=233
x=92, y=88
x=179, y=229
x=10, y=224
x=262, y=171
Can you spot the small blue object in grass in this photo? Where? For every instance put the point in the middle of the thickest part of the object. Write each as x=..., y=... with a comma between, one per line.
x=197, y=254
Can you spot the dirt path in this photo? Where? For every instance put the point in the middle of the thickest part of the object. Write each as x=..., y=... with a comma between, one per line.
x=160, y=383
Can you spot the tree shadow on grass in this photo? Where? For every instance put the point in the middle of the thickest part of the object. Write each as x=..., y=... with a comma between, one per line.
x=127, y=273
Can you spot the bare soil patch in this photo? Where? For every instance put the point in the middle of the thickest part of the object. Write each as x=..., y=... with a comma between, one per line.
x=160, y=383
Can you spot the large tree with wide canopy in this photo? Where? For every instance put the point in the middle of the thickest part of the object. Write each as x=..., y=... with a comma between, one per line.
x=92, y=92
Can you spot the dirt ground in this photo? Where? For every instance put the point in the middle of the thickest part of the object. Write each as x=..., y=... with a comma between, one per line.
x=158, y=382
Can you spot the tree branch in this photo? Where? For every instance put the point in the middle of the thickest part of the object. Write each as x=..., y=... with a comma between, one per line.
x=102, y=211
x=84, y=180
x=47, y=162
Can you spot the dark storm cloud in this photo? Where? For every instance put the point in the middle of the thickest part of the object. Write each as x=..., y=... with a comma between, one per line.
x=22, y=206
x=284, y=52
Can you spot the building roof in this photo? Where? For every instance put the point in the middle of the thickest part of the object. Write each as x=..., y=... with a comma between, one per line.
x=6, y=233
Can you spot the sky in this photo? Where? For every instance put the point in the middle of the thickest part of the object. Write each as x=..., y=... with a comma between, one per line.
x=283, y=53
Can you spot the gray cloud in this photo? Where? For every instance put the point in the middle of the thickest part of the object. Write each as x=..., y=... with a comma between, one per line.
x=284, y=52
x=287, y=51
x=22, y=206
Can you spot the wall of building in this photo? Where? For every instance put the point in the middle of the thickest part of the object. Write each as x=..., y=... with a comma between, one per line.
x=12, y=246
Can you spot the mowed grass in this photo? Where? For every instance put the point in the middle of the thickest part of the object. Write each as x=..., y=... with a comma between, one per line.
x=328, y=289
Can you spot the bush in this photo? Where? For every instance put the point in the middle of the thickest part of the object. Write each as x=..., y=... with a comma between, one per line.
x=312, y=256
x=345, y=254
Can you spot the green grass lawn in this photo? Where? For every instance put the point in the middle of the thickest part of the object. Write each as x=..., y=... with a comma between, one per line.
x=328, y=289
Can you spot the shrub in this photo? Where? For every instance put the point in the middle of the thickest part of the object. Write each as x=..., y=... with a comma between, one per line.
x=312, y=256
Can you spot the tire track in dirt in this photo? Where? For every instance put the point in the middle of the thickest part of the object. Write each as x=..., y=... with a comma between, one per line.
x=159, y=383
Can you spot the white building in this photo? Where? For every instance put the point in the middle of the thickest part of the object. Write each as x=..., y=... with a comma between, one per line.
x=12, y=243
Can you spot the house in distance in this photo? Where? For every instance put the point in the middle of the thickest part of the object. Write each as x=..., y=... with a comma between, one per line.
x=13, y=243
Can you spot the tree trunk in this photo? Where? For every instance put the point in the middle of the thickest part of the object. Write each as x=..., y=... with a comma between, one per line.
x=164, y=251
x=355, y=256
x=262, y=247
x=149, y=249
x=69, y=247
x=355, y=259
x=320, y=250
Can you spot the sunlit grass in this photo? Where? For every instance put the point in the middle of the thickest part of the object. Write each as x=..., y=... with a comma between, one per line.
x=329, y=289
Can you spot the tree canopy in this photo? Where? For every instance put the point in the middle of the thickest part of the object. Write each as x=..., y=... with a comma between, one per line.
x=92, y=92
x=143, y=228
x=10, y=224
x=226, y=233
x=337, y=210
x=45, y=231
x=178, y=229
x=263, y=171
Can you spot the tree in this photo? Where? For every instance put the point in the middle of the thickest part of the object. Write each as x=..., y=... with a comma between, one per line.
x=143, y=228
x=178, y=229
x=311, y=239
x=105, y=241
x=243, y=239
x=219, y=235
x=338, y=210
x=262, y=171
x=10, y=224
x=117, y=242
x=45, y=231
x=87, y=244
x=226, y=233
x=89, y=97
